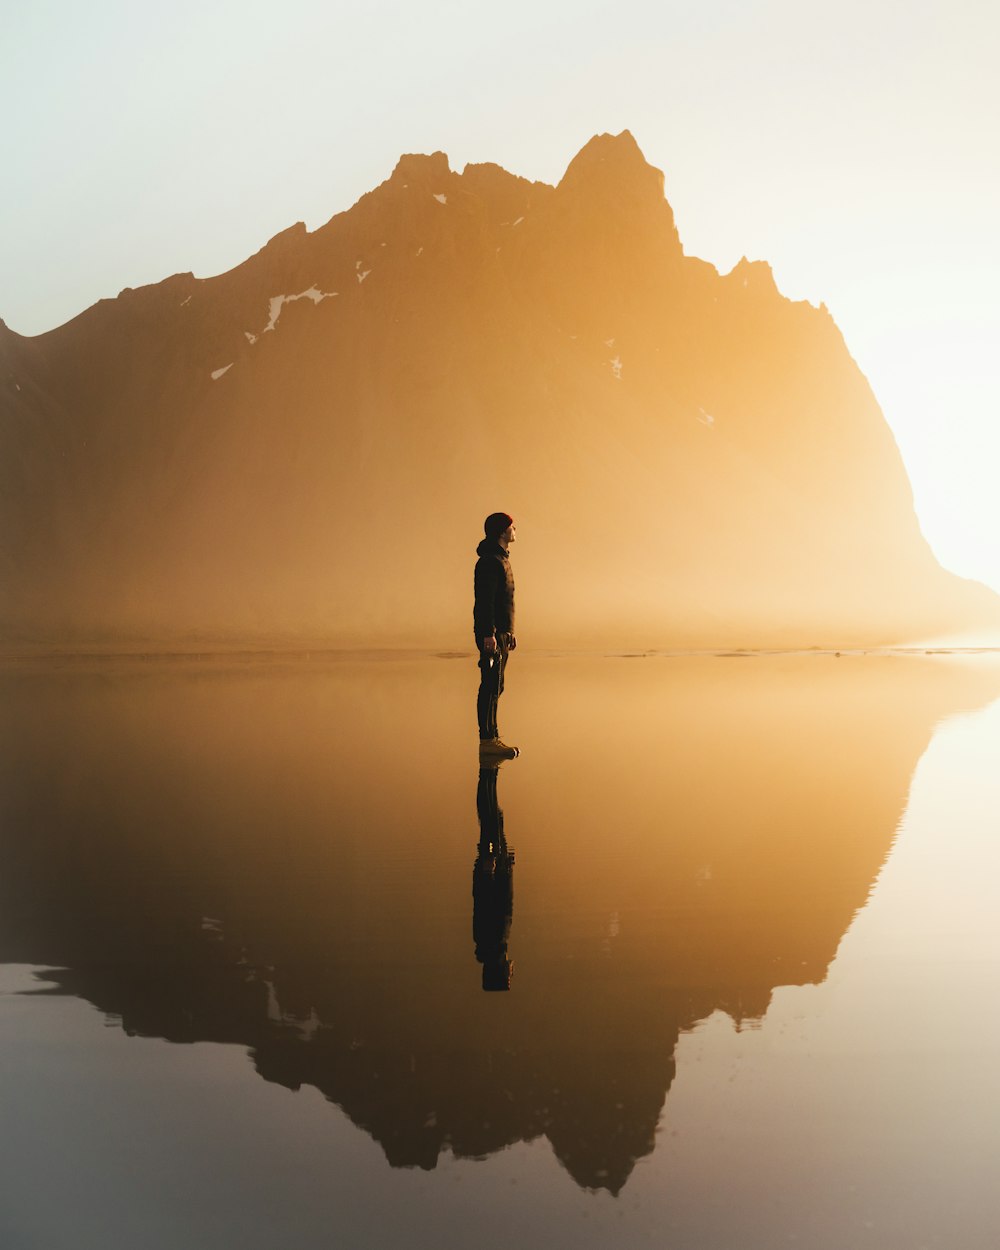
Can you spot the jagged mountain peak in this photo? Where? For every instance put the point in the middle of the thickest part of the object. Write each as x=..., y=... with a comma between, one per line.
x=753, y=273
x=611, y=197
x=613, y=159
x=489, y=169
x=488, y=176
x=420, y=168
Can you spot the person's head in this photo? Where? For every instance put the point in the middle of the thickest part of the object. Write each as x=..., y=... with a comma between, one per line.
x=500, y=527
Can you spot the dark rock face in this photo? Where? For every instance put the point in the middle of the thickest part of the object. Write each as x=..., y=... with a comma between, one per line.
x=693, y=459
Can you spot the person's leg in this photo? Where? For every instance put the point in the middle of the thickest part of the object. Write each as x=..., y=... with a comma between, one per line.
x=490, y=684
x=490, y=688
x=501, y=667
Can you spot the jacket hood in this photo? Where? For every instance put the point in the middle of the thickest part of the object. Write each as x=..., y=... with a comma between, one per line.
x=490, y=547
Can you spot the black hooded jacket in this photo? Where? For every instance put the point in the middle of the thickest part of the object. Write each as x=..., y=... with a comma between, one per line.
x=494, y=583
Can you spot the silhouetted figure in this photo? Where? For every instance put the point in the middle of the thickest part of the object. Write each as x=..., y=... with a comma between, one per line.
x=492, y=885
x=493, y=622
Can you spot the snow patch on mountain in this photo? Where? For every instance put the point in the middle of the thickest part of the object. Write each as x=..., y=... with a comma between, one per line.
x=217, y=373
x=277, y=302
x=441, y=199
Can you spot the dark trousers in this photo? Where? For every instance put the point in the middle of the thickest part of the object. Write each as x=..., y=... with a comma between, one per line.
x=492, y=886
x=491, y=668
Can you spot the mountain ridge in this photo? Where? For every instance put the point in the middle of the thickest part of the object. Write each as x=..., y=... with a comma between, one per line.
x=238, y=456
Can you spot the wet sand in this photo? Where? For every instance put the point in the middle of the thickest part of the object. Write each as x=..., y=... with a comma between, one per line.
x=749, y=915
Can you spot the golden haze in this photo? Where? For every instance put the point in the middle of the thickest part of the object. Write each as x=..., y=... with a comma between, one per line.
x=300, y=452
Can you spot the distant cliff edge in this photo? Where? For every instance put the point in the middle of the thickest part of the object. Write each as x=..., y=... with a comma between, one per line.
x=302, y=449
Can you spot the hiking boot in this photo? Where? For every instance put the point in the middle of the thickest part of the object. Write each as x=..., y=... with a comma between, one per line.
x=493, y=748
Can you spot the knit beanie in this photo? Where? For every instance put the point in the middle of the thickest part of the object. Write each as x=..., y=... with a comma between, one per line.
x=496, y=523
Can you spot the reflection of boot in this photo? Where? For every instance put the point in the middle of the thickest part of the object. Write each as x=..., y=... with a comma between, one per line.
x=496, y=748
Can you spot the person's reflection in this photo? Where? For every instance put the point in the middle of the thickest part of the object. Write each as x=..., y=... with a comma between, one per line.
x=492, y=885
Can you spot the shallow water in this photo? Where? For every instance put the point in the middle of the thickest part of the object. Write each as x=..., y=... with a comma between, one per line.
x=749, y=925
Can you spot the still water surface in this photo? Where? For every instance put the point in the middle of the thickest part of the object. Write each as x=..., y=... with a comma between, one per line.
x=744, y=908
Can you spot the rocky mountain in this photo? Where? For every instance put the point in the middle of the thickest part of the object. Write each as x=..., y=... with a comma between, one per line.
x=302, y=450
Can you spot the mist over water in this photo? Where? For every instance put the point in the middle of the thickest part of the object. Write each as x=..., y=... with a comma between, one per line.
x=742, y=909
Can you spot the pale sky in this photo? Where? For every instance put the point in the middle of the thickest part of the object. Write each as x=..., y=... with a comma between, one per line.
x=854, y=145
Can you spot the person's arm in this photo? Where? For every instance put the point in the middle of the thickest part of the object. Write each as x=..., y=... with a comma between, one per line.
x=484, y=611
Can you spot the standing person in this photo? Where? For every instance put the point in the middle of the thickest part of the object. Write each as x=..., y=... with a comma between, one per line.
x=493, y=621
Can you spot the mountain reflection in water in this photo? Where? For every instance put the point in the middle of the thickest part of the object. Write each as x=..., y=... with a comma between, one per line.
x=277, y=856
